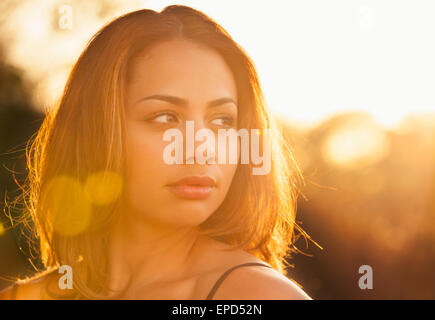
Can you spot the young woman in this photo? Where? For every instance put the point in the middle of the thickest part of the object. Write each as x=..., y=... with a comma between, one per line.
x=127, y=224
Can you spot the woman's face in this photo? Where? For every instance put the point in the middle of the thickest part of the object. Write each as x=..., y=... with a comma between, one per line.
x=179, y=80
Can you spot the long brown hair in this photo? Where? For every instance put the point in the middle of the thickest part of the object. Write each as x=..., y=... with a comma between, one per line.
x=83, y=135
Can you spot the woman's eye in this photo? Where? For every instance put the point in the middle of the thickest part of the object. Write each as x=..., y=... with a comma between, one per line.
x=223, y=121
x=164, y=118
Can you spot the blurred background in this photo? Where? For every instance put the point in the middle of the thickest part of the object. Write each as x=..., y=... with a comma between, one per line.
x=352, y=84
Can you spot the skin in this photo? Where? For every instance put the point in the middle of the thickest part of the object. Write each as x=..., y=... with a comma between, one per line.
x=156, y=241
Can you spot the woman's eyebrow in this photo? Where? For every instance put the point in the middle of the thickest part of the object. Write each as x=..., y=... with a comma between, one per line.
x=183, y=103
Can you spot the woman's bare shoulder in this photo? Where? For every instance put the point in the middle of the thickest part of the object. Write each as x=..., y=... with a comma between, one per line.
x=247, y=283
x=6, y=293
x=22, y=291
x=259, y=283
x=30, y=288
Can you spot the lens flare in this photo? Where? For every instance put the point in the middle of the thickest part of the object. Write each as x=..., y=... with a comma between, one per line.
x=69, y=210
x=103, y=187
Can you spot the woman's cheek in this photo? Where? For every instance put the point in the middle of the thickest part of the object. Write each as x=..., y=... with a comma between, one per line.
x=143, y=154
x=148, y=160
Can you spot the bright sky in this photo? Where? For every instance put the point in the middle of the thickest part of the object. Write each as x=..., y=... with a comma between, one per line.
x=315, y=58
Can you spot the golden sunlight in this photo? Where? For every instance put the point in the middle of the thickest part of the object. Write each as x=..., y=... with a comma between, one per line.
x=311, y=65
x=356, y=143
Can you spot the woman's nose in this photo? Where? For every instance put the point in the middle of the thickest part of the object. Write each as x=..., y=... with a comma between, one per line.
x=206, y=154
x=202, y=158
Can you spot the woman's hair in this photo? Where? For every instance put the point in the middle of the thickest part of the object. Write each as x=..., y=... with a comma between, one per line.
x=83, y=135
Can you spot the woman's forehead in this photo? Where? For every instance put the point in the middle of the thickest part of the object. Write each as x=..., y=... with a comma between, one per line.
x=182, y=66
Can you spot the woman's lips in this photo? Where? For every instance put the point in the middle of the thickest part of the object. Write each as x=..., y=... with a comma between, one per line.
x=193, y=187
x=191, y=192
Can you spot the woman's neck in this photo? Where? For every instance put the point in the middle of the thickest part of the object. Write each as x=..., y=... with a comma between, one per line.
x=150, y=253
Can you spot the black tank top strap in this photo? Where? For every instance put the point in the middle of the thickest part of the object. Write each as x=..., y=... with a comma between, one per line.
x=226, y=273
